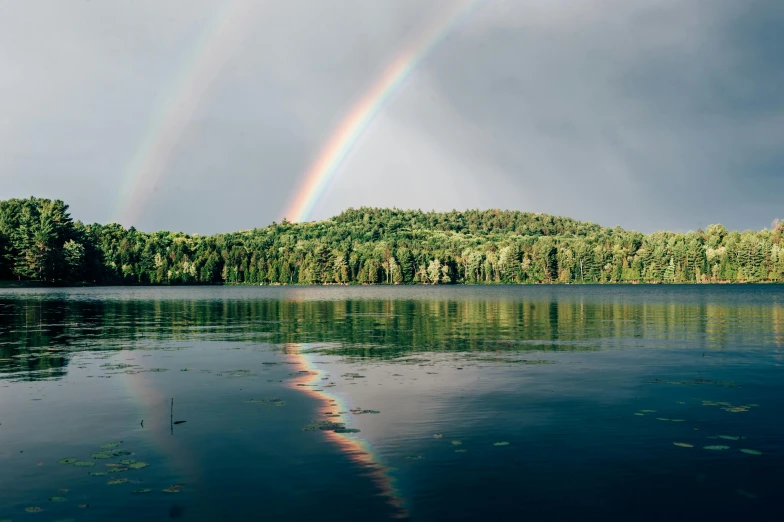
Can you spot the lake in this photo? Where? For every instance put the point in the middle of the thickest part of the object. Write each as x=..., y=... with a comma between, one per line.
x=371, y=403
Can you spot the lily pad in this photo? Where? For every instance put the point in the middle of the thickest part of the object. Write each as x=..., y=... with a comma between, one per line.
x=457, y=442
x=58, y=499
x=83, y=463
x=138, y=465
x=640, y=414
x=324, y=426
x=750, y=451
x=729, y=437
x=140, y=491
x=500, y=443
x=98, y=473
x=172, y=489
x=716, y=448
x=33, y=509
x=662, y=419
x=117, y=481
x=460, y=451
x=270, y=403
x=683, y=445
x=120, y=453
x=109, y=445
x=438, y=436
x=102, y=455
x=68, y=460
x=119, y=469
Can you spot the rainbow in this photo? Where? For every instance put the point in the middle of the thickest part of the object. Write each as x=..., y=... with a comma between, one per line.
x=355, y=448
x=345, y=136
x=178, y=106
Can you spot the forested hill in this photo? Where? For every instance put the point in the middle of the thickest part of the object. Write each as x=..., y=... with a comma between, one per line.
x=40, y=241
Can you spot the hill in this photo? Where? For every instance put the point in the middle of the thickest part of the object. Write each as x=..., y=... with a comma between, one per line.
x=40, y=241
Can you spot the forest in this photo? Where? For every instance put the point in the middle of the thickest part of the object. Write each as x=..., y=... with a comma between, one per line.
x=39, y=241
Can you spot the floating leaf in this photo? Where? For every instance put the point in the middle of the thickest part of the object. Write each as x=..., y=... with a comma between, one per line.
x=173, y=489
x=102, y=455
x=118, y=470
x=500, y=444
x=324, y=426
x=117, y=481
x=126, y=462
x=438, y=435
x=729, y=437
x=120, y=453
x=457, y=442
x=109, y=445
x=273, y=402
x=83, y=464
x=683, y=444
x=138, y=465
x=662, y=418
x=58, y=499
x=33, y=509
x=98, y=473
x=750, y=451
x=139, y=491
x=460, y=451
x=676, y=420
x=716, y=448
x=68, y=460
x=640, y=414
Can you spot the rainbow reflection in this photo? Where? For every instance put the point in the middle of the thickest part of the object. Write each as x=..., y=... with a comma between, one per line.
x=356, y=449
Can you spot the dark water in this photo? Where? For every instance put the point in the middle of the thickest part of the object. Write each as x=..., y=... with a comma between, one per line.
x=494, y=403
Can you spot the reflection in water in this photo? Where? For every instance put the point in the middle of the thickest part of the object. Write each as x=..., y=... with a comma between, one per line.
x=352, y=445
x=452, y=362
x=37, y=332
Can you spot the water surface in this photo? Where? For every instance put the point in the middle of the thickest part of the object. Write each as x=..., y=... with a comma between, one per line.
x=471, y=403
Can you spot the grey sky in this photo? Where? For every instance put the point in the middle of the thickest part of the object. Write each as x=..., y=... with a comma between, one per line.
x=650, y=114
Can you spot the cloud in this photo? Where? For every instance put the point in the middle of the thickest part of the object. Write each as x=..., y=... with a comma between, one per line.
x=649, y=114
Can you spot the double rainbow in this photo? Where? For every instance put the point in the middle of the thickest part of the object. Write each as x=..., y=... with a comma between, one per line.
x=186, y=94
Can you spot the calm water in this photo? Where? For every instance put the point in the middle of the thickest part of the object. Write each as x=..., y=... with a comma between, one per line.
x=472, y=403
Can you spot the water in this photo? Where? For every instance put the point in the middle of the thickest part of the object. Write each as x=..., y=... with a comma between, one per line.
x=494, y=403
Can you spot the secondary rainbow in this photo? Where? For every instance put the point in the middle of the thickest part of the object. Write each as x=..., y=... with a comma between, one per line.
x=178, y=105
x=353, y=126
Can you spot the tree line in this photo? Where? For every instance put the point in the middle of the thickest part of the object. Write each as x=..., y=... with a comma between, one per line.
x=39, y=241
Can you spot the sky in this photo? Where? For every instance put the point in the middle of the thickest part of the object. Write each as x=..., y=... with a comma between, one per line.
x=205, y=116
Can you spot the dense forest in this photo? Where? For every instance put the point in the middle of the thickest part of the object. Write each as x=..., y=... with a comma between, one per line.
x=40, y=242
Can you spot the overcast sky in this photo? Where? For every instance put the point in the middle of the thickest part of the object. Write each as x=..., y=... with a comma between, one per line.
x=649, y=114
